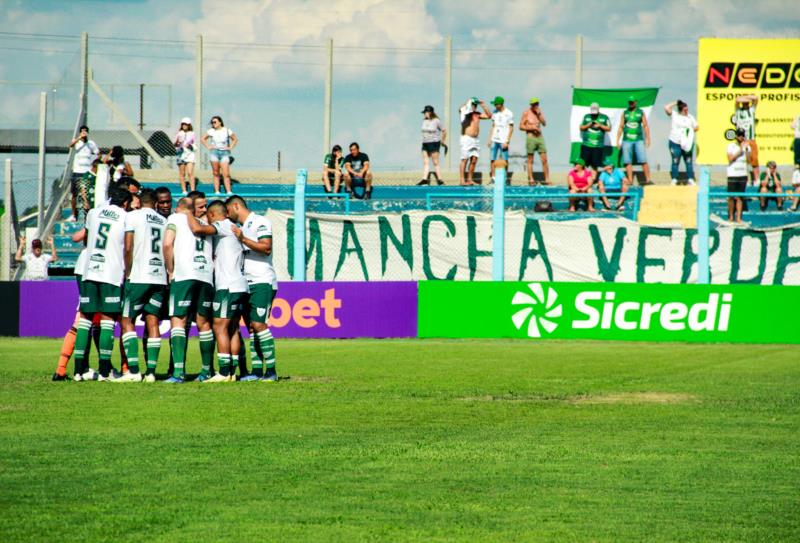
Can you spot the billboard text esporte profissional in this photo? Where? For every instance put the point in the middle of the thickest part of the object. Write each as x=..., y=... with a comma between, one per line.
x=727, y=68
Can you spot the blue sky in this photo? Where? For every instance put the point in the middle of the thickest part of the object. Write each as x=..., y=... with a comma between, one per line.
x=388, y=63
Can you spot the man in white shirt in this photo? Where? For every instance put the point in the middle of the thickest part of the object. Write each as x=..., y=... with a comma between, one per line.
x=737, y=174
x=230, y=285
x=36, y=262
x=86, y=152
x=744, y=118
x=256, y=236
x=502, y=130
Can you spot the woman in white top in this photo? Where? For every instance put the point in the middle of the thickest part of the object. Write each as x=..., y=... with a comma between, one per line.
x=223, y=140
x=681, y=138
x=433, y=137
x=184, y=153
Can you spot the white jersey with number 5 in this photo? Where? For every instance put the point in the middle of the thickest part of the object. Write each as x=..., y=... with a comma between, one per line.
x=193, y=254
x=257, y=266
x=228, y=259
x=105, y=244
x=148, y=228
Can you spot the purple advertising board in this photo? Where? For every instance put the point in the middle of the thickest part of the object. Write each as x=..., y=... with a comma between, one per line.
x=301, y=310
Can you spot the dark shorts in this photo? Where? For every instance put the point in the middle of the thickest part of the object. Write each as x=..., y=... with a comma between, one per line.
x=592, y=156
x=258, y=304
x=73, y=183
x=737, y=184
x=97, y=297
x=140, y=298
x=431, y=147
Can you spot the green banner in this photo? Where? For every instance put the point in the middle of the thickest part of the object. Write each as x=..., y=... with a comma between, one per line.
x=635, y=312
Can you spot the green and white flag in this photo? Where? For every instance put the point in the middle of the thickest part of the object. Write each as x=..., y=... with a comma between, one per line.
x=612, y=103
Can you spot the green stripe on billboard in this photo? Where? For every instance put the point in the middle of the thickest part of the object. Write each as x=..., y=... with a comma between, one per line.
x=634, y=312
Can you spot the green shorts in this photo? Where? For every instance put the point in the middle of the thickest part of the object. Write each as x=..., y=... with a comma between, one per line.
x=142, y=298
x=99, y=297
x=534, y=144
x=190, y=297
x=229, y=305
x=259, y=303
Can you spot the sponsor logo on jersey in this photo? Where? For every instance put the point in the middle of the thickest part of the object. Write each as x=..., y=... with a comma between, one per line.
x=155, y=262
x=155, y=219
x=216, y=306
x=184, y=303
x=97, y=257
x=261, y=311
x=110, y=214
x=112, y=299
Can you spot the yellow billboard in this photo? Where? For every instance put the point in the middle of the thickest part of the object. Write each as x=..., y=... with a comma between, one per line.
x=727, y=69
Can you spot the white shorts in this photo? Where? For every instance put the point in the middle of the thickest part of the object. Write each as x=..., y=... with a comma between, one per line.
x=186, y=157
x=470, y=147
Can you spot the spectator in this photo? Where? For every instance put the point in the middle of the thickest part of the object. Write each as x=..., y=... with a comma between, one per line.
x=86, y=187
x=579, y=181
x=593, y=132
x=134, y=187
x=681, y=138
x=433, y=137
x=357, y=172
x=795, y=187
x=332, y=170
x=185, y=147
x=796, y=145
x=36, y=263
x=612, y=180
x=771, y=182
x=502, y=130
x=745, y=119
x=634, y=136
x=737, y=174
x=531, y=123
x=470, y=144
x=117, y=166
x=223, y=141
x=86, y=151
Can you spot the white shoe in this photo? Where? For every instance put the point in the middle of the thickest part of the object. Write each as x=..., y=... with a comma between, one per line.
x=111, y=377
x=691, y=182
x=89, y=375
x=149, y=378
x=218, y=378
x=232, y=378
x=129, y=377
x=77, y=377
x=674, y=182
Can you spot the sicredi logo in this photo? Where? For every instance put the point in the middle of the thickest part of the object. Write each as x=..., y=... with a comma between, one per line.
x=744, y=75
x=538, y=310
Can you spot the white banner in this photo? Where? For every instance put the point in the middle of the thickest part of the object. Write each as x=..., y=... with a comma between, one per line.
x=423, y=245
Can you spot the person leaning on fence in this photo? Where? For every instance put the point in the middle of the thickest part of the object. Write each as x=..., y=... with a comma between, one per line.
x=579, y=181
x=86, y=152
x=332, y=170
x=118, y=167
x=594, y=127
x=633, y=137
x=223, y=141
x=36, y=262
x=681, y=138
x=771, y=183
x=744, y=118
x=737, y=174
x=357, y=171
x=185, y=147
x=531, y=123
x=433, y=137
x=612, y=179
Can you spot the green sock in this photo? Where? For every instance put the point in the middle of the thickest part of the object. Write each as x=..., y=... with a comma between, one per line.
x=255, y=356
x=106, y=346
x=82, y=341
x=207, y=351
x=177, y=343
x=130, y=342
x=153, y=349
x=224, y=363
x=267, y=349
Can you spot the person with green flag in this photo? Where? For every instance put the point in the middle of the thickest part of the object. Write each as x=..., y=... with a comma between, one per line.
x=633, y=136
x=594, y=127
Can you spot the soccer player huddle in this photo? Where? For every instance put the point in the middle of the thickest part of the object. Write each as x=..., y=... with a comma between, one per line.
x=210, y=264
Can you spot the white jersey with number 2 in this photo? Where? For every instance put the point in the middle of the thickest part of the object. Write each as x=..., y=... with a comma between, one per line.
x=148, y=229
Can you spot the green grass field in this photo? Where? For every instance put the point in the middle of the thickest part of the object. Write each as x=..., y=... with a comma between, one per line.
x=420, y=440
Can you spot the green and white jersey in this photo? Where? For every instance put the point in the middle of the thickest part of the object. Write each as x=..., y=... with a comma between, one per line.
x=257, y=266
x=228, y=259
x=105, y=243
x=148, y=253
x=193, y=254
x=594, y=137
x=632, y=129
x=746, y=120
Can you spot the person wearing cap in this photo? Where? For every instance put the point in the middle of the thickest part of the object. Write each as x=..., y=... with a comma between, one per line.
x=531, y=123
x=633, y=136
x=594, y=127
x=771, y=182
x=681, y=138
x=433, y=137
x=579, y=180
x=744, y=118
x=502, y=130
x=612, y=179
x=795, y=187
x=737, y=174
x=36, y=263
x=185, y=147
x=470, y=130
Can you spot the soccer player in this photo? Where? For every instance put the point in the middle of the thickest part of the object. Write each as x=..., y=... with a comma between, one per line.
x=189, y=265
x=68, y=345
x=231, y=285
x=256, y=236
x=145, y=284
x=102, y=279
